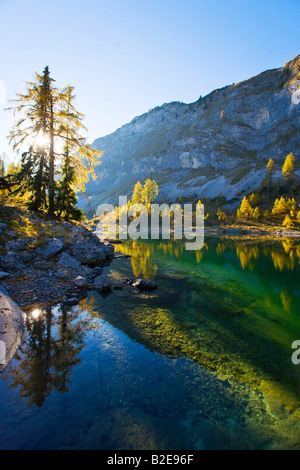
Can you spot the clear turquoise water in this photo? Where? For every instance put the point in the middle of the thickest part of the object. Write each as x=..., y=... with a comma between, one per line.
x=203, y=362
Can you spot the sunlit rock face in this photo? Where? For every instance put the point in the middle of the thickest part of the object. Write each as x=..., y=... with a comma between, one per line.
x=220, y=143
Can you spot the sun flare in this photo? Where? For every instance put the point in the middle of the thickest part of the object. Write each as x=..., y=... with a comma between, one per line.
x=35, y=314
x=41, y=140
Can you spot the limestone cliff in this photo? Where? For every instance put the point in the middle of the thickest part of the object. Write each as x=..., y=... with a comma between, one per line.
x=220, y=143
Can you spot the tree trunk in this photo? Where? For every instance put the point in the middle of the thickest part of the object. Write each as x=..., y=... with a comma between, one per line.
x=51, y=165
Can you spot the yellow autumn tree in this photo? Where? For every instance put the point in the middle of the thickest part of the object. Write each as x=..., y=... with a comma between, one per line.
x=150, y=191
x=288, y=223
x=245, y=210
x=256, y=213
x=288, y=168
x=282, y=206
x=221, y=215
x=137, y=196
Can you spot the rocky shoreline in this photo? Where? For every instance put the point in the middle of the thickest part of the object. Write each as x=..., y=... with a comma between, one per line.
x=49, y=270
x=56, y=264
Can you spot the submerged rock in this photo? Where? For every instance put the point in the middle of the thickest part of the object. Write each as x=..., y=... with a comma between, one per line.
x=145, y=284
x=71, y=301
x=102, y=284
x=141, y=284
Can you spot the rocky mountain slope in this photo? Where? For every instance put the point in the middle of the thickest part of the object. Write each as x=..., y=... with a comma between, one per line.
x=220, y=143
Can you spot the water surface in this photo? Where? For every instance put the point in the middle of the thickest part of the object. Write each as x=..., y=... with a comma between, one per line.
x=203, y=362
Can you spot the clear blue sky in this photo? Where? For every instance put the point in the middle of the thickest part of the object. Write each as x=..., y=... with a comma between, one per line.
x=125, y=57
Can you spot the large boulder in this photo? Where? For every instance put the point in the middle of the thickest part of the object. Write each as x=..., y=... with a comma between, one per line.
x=51, y=248
x=92, y=252
x=19, y=245
x=11, y=261
x=12, y=321
x=26, y=256
x=67, y=261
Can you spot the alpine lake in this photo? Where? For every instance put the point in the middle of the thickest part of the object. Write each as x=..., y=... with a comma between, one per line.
x=202, y=362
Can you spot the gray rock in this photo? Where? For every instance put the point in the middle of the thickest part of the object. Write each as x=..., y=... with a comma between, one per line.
x=2, y=226
x=51, y=248
x=97, y=271
x=11, y=261
x=92, y=253
x=43, y=265
x=3, y=275
x=11, y=327
x=287, y=233
x=80, y=281
x=26, y=257
x=145, y=284
x=102, y=284
x=61, y=274
x=67, y=261
x=19, y=245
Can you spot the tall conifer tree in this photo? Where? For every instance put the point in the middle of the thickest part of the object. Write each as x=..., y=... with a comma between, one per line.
x=48, y=117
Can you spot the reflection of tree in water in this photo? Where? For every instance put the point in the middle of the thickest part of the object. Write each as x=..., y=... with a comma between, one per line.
x=54, y=343
x=142, y=261
x=282, y=261
x=284, y=256
x=286, y=300
x=246, y=254
x=142, y=255
x=220, y=248
x=143, y=265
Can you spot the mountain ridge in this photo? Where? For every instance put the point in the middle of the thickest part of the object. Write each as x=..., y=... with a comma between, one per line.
x=219, y=143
